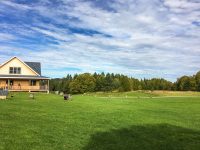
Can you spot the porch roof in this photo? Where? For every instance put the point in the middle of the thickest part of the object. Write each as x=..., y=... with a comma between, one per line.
x=23, y=77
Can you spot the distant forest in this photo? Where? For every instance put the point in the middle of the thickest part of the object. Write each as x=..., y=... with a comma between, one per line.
x=82, y=83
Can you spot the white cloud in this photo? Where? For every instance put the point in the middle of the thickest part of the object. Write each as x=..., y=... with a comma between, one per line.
x=15, y=5
x=182, y=5
x=143, y=37
x=6, y=37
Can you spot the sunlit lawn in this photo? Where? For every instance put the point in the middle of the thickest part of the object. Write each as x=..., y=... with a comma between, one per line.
x=95, y=122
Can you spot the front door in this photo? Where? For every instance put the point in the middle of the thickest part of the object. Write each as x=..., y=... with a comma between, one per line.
x=11, y=82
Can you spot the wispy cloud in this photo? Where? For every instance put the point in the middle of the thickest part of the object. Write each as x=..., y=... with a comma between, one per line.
x=15, y=5
x=182, y=6
x=6, y=37
x=139, y=38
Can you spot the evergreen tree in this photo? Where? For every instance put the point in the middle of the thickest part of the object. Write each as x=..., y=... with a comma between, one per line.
x=125, y=84
x=197, y=78
x=81, y=83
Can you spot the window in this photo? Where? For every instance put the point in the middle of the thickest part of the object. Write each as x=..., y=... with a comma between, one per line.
x=33, y=83
x=15, y=70
x=11, y=70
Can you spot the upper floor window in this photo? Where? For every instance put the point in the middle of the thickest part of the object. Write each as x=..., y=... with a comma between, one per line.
x=15, y=70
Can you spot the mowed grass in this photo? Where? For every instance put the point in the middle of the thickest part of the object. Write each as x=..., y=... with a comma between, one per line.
x=144, y=94
x=93, y=122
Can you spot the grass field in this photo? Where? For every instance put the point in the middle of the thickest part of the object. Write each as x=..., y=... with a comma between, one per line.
x=125, y=121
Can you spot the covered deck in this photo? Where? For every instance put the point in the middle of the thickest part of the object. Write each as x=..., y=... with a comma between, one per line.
x=24, y=83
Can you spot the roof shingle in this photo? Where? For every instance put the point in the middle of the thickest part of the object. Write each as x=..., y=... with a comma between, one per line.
x=36, y=66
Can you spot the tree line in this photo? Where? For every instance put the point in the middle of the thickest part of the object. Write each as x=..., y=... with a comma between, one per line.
x=86, y=82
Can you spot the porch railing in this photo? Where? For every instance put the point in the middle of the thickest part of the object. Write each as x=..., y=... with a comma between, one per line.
x=27, y=88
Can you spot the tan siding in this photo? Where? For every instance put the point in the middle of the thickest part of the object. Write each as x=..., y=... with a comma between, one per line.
x=2, y=83
x=21, y=82
x=16, y=63
x=20, y=85
x=18, y=82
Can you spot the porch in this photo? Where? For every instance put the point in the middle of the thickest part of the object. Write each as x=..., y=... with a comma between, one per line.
x=36, y=83
x=28, y=88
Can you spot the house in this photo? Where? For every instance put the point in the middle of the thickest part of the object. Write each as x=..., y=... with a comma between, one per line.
x=17, y=75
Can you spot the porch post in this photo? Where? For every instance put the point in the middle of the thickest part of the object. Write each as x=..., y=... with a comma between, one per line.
x=8, y=84
x=29, y=87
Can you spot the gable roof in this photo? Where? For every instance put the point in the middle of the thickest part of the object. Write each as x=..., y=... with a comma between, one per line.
x=21, y=62
x=36, y=66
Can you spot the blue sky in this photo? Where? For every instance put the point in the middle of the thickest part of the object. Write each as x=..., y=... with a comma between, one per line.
x=139, y=38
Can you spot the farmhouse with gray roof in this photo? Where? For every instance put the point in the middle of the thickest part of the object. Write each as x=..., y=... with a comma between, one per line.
x=17, y=75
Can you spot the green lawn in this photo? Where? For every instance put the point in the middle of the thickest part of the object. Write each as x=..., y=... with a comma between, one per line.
x=94, y=122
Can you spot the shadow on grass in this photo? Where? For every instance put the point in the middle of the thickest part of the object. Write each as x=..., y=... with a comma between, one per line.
x=147, y=137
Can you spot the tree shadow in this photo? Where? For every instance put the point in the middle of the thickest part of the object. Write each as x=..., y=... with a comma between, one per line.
x=147, y=137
